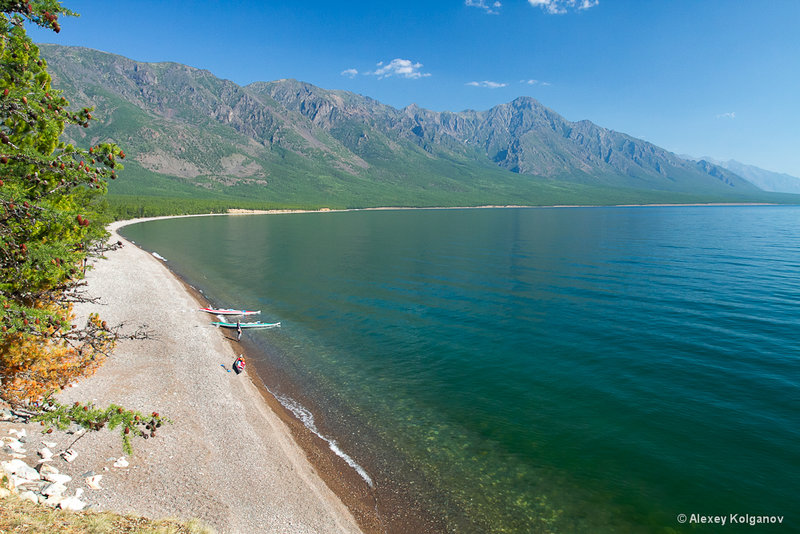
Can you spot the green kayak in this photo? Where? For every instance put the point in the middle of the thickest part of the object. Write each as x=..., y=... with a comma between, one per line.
x=245, y=325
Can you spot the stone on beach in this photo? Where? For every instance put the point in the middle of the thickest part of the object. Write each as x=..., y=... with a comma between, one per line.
x=57, y=477
x=69, y=455
x=29, y=496
x=43, y=484
x=53, y=500
x=20, y=469
x=56, y=488
x=94, y=481
x=15, y=445
x=121, y=463
x=73, y=503
x=46, y=454
x=45, y=469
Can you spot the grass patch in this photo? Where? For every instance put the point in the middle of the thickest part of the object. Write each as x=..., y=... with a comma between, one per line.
x=24, y=517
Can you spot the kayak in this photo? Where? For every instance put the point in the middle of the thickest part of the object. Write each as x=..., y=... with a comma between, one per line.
x=245, y=325
x=229, y=311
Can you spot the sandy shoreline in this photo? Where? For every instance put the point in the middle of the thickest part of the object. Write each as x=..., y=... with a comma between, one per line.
x=236, y=211
x=228, y=458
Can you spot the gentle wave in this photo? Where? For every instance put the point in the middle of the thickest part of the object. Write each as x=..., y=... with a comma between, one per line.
x=307, y=418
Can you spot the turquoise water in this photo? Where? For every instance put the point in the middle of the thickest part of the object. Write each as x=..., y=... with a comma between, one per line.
x=529, y=370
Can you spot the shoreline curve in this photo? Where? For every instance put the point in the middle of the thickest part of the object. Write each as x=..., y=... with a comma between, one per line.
x=230, y=458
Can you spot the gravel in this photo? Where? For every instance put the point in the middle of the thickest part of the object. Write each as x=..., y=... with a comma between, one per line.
x=227, y=458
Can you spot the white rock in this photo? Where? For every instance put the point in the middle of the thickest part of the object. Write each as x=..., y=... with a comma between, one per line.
x=121, y=463
x=55, y=488
x=47, y=468
x=29, y=496
x=19, y=481
x=73, y=503
x=4, y=493
x=15, y=445
x=57, y=477
x=7, y=467
x=33, y=485
x=45, y=453
x=20, y=433
x=21, y=469
x=94, y=481
x=53, y=500
x=69, y=455
x=50, y=444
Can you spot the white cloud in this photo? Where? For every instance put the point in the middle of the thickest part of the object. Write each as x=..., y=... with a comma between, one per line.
x=350, y=73
x=558, y=7
x=402, y=68
x=492, y=9
x=535, y=82
x=488, y=84
x=728, y=115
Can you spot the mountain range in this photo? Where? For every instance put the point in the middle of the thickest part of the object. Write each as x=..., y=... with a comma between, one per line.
x=765, y=180
x=189, y=134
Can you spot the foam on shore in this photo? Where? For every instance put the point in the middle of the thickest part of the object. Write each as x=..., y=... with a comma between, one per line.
x=304, y=415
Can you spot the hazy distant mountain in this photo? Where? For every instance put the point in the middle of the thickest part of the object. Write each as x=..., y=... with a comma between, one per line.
x=291, y=142
x=777, y=182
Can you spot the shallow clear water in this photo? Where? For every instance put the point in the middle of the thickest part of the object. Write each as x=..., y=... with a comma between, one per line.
x=530, y=370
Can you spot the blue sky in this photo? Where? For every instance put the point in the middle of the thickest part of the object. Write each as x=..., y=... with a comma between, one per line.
x=718, y=78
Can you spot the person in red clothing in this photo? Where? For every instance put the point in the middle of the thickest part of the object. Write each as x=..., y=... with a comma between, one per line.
x=239, y=364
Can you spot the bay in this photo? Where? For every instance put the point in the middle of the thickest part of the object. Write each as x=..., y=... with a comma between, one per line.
x=528, y=370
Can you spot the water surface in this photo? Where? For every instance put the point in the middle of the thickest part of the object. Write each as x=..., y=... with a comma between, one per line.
x=530, y=370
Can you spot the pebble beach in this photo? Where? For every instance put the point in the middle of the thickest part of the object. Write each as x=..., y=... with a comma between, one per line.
x=227, y=459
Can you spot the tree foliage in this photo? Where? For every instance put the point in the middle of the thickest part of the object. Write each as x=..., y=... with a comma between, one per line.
x=51, y=222
x=88, y=416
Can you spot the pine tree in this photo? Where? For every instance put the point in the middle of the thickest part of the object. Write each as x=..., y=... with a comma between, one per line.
x=51, y=217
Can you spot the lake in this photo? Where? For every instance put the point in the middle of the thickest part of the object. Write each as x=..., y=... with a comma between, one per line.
x=529, y=370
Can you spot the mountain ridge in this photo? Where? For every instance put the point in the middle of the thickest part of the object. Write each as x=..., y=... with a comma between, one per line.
x=187, y=131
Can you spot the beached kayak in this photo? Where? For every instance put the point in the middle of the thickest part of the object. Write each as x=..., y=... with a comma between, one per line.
x=245, y=325
x=229, y=311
